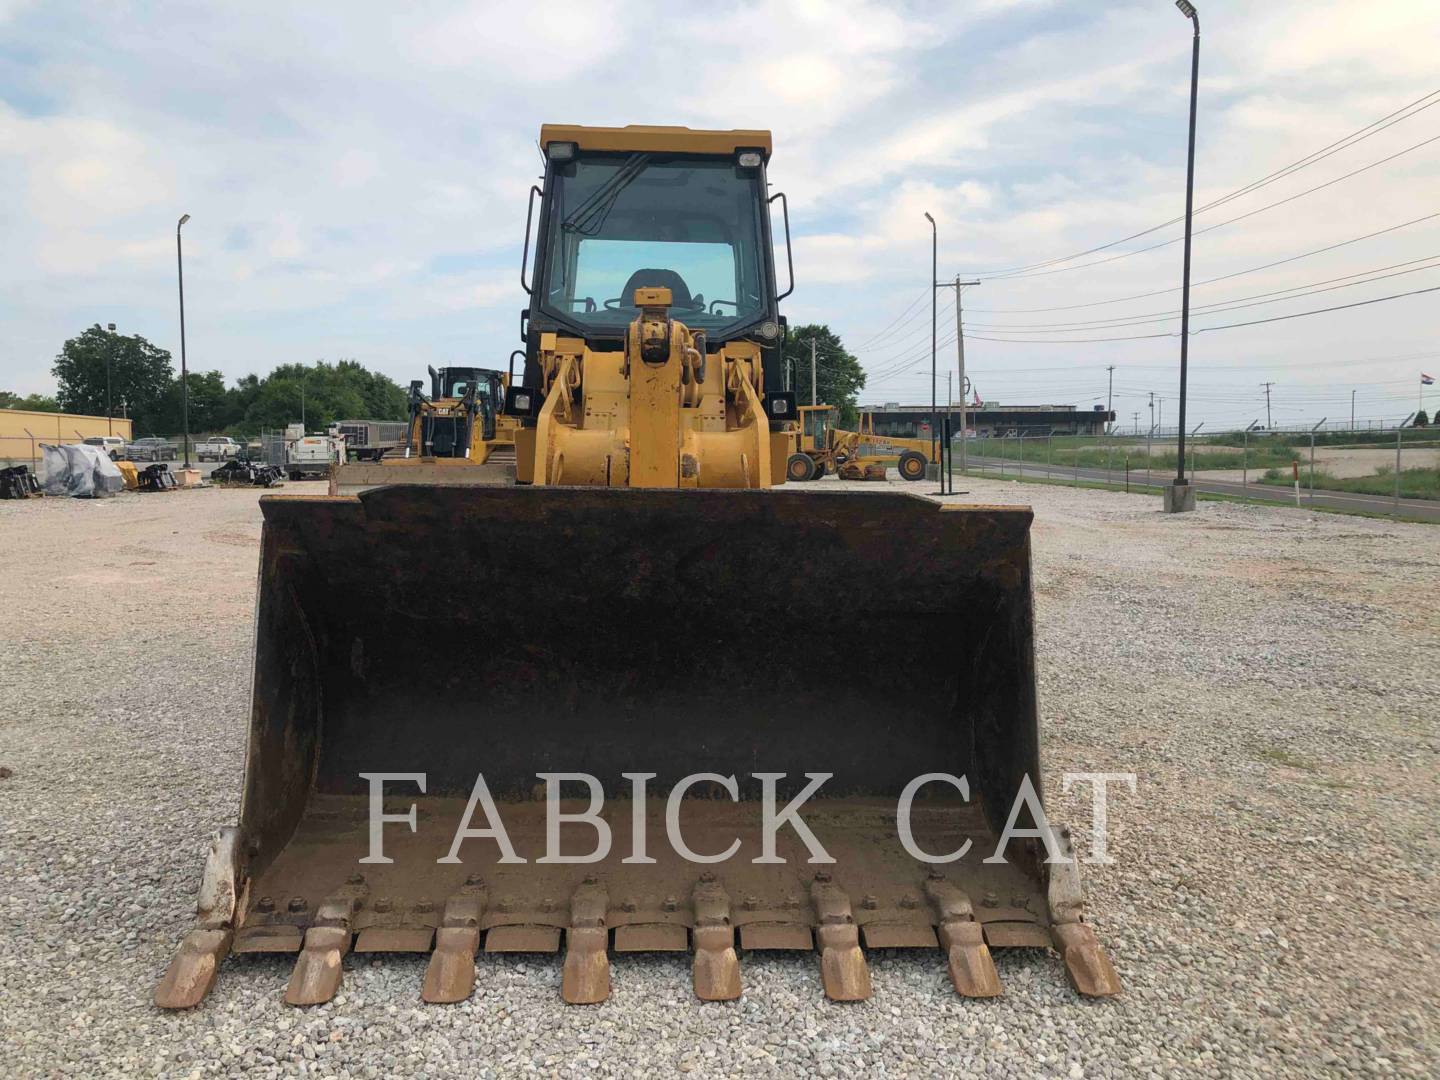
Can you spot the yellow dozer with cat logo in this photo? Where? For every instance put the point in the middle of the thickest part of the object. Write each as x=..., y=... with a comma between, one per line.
x=601, y=709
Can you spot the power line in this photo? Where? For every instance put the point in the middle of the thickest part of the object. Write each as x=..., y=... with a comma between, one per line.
x=1227, y=221
x=1219, y=306
x=1310, y=159
x=868, y=342
x=1208, y=281
x=1207, y=329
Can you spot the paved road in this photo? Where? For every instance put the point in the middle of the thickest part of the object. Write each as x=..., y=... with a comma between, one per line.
x=1423, y=509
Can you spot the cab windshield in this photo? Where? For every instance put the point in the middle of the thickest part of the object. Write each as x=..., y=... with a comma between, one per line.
x=622, y=222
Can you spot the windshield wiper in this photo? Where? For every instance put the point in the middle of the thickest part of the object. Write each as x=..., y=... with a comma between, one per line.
x=589, y=217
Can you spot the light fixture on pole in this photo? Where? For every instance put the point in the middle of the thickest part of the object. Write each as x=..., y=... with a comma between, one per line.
x=934, y=374
x=184, y=371
x=109, y=359
x=1181, y=495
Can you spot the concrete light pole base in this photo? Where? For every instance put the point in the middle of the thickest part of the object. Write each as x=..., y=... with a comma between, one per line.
x=1179, y=498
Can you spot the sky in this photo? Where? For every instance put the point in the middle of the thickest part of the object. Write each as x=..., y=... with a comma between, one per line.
x=357, y=183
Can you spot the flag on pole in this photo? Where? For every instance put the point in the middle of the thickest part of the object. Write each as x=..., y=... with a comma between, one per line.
x=1427, y=380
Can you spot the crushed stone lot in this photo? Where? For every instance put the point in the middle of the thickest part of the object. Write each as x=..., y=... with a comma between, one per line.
x=1270, y=676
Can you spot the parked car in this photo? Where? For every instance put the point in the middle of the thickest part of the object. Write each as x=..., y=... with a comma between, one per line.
x=152, y=448
x=113, y=445
x=217, y=448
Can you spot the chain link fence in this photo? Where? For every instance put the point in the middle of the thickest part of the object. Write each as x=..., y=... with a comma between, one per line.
x=1316, y=466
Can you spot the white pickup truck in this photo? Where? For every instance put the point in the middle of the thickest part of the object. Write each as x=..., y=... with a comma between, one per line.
x=217, y=448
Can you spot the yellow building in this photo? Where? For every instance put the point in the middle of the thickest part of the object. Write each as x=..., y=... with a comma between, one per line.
x=22, y=432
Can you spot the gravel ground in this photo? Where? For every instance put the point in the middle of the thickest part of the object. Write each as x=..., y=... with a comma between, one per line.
x=1269, y=674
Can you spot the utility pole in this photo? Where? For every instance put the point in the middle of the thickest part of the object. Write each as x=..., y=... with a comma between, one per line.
x=109, y=359
x=1137, y=423
x=1267, y=404
x=958, y=286
x=934, y=378
x=814, y=400
x=1110, y=394
x=1352, y=410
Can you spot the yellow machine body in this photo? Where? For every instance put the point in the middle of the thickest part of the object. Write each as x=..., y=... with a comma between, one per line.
x=632, y=601
x=658, y=414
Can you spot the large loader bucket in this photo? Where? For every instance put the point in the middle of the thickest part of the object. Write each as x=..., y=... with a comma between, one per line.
x=508, y=633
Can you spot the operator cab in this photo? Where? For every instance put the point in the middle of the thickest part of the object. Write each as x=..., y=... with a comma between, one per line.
x=639, y=207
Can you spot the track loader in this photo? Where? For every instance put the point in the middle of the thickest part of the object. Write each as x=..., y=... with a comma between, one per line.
x=458, y=434
x=589, y=711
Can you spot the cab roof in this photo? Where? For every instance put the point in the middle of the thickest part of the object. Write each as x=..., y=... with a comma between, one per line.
x=647, y=138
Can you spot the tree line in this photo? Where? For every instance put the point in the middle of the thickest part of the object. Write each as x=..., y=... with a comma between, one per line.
x=144, y=386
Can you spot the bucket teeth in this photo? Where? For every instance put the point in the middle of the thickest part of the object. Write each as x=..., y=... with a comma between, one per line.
x=192, y=972
x=587, y=966
x=317, y=972
x=1085, y=961
x=843, y=970
x=716, y=969
x=451, y=974
x=586, y=979
x=972, y=968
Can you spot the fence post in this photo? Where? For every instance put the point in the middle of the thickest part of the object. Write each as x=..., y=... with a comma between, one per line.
x=1127, y=474
x=1049, y=453
x=1149, y=453
x=1395, y=510
x=1109, y=456
x=1245, y=468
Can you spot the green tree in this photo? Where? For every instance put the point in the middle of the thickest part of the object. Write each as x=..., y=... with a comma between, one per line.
x=140, y=377
x=212, y=406
x=1421, y=420
x=32, y=402
x=838, y=375
x=327, y=392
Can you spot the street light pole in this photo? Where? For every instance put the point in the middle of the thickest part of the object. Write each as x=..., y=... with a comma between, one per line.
x=1188, y=10
x=110, y=357
x=934, y=374
x=184, y=371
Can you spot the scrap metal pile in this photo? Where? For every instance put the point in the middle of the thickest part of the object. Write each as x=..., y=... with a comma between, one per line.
x=18, y=483
x=157, y=477
x=237, y=473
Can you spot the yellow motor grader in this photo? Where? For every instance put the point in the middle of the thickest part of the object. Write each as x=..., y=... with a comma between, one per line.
x=589, y=710
x=823, y=448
